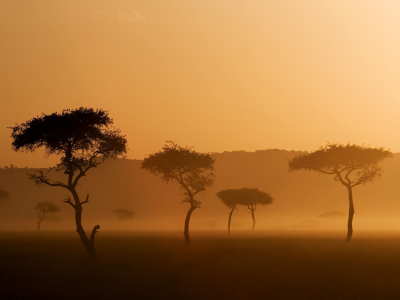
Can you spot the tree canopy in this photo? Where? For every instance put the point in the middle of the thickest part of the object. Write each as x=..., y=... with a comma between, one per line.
x=244, y=196
x=352, y=165
x=46, y=207
x=123, y=214
x=81, y=136
x=4, y=194
x=191, y=169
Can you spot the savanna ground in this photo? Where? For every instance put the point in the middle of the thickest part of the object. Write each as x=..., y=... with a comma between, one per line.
x=264, y=265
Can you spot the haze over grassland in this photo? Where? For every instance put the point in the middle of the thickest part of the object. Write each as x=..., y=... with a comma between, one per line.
x=298, y=196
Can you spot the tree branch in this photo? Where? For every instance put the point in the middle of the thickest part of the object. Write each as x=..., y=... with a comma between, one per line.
x=87, y=200
x=94, y=231
x=68, y=200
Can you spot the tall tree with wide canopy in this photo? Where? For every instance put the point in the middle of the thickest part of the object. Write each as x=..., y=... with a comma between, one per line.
x=4, y=194
x=44, y=208
x=351, y=165
x=193, y=171
x=82, y=138
x=231, y=198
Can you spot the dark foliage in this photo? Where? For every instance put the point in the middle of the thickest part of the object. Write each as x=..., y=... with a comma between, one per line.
x=4, y=194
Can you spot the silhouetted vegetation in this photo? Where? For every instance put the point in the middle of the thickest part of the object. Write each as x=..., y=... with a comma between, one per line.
x=44, y=208
x=4, y=194
x=231, y=200
x=123, y=214
x=83, y=138
x=351, y=165
x=248, y=197
x=333, y=216
x=190, y=169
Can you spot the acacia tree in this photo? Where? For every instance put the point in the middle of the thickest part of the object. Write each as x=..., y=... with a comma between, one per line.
x=123, y=214
x=351, y=165
x=82, y=138
x=333, y=215
x=190, y=169
x=4, y=195
x=251, y=198
x=44, y=208
x=231, y=198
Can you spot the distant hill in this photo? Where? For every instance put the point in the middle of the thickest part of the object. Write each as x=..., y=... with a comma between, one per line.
x=121, y=184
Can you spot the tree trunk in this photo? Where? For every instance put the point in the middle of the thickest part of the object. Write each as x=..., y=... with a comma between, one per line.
x=187, y=220
x=254, y=219
x=89, y=244
x=351, y=213
x=229, y=220
x=38, y=225
x=119, y=225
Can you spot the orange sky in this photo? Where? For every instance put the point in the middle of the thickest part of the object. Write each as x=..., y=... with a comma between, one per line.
x=217, y=75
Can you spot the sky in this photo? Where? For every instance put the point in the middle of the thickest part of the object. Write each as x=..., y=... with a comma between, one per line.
x=218, y=75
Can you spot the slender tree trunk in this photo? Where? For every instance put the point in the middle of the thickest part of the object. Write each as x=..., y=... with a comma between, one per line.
x=38, y=225
x=119, y=225
x=89, y=244
x=187, y=220
x=254, y=219
x=351, y=213
x=229, y=220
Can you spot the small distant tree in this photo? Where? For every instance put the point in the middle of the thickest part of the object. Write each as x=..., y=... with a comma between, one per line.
x=231, y=198
x=212, y=224
x=193, y=171
x=4, y=195
x=83, y=138
x=123, y=214
x=351, y=165
x=333, y=215
x=44, y=208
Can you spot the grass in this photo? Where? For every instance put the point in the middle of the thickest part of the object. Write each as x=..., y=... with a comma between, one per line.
x=287, y=265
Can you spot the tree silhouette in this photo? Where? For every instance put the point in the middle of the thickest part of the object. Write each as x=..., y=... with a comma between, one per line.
x=252, y=197
x=333, y=215
x=249, y=197
x=123, y=214
x=231, y=198
x=351, y=165
x=190, y=169
x=83, y=138
x=44, y=208
x=4, y=195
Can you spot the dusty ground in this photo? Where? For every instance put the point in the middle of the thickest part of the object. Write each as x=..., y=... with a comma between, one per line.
x=265, y=265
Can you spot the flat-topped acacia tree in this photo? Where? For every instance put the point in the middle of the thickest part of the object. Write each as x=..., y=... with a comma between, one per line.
x=82, y=138
x=193, y=171
x=253, y=197
x=351, y=165
x=231, y=198
x=249, y=197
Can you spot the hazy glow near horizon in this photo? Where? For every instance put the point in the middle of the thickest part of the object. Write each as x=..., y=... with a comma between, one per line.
x=217, y=75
